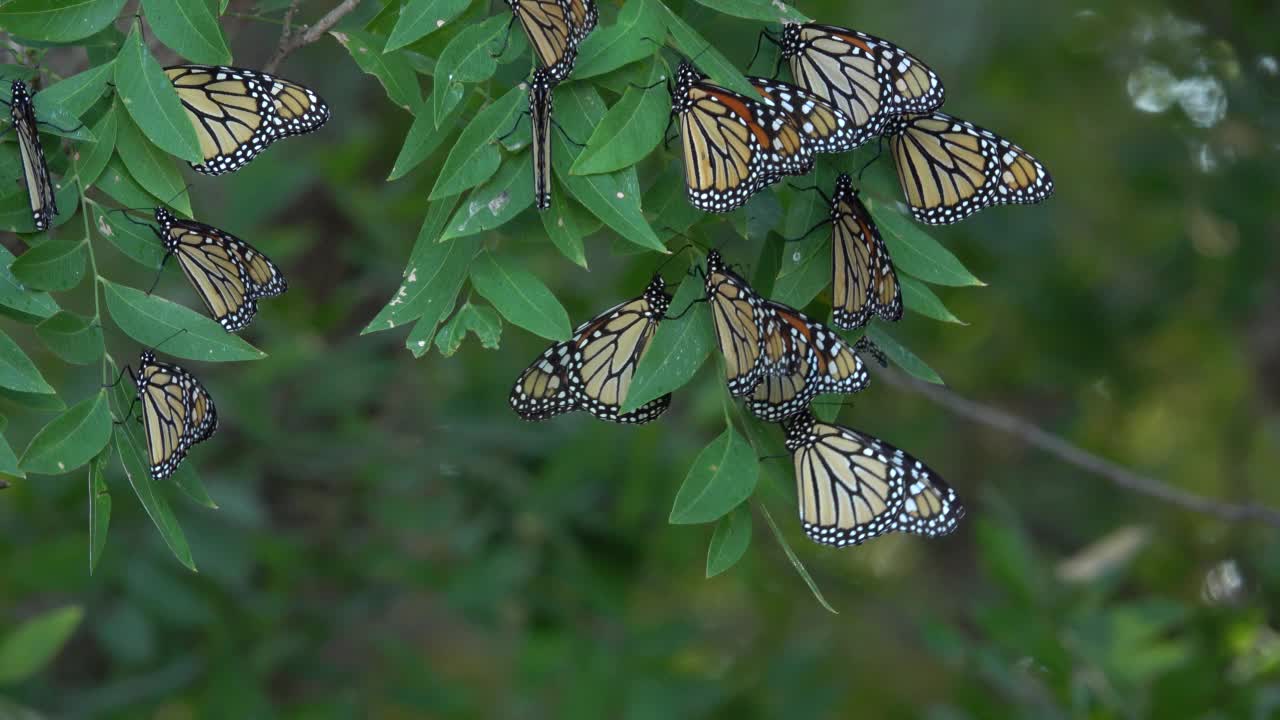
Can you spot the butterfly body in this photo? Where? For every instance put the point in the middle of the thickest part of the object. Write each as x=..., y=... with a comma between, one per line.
x=852, y=487
x=540, y=109
x=35, y=170
x=592, y=371
x=237, y=113
x=177, y=413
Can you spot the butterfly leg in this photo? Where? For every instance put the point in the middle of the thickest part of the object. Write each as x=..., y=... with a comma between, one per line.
x=879, y=151
x=506, y=39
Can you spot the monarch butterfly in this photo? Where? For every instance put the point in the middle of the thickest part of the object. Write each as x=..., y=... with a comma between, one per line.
x=734, y=146
x=540, y=89
x=35, y=172
x=869, y=79
x=177, y=412
x=853, y=487
x=592, y=371
x=950, y=169
x=555, y=29
x=237, y=113
x=743, y=322
x=865, y=281
x=824, y=128
x=814, y=361
x=868, y=346
x=227, y=273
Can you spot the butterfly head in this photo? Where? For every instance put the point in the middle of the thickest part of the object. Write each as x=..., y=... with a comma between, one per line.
x=844, y=192
x=147, y=358
x=686, y=77
x=164, y=217
x=791, y=44
x=715, y=263
x=656, y=294
x=799, y=429
x=19, y=92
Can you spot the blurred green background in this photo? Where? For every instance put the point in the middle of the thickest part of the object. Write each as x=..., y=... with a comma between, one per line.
x=393, y=542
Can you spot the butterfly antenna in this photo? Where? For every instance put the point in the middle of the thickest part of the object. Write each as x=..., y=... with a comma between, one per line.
x=811, y=188
x=759, y=42
x=515, y=127
x=171, y=336
x=808, y=232
x=686, y=309
x=566, y=135
x=879, y=150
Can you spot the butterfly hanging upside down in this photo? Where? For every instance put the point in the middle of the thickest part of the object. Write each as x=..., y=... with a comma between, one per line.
x=592, y=370
x=237, y=113
x=35, y=171
x=177, y=412
x=228, y=274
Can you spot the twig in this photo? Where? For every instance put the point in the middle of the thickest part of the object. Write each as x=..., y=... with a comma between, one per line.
x=290, y=41
x=1063, y=450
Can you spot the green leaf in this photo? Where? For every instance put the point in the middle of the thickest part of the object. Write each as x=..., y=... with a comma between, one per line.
x=152, y=101
x=709, y=59
x=478, y=319
x=432, y=278
x=58, y=20
x=612, y=197
x=677, y=350
x=151, y=167
x=722, y=476
x=40, y=402
x=73, y=338
x=120, y=185
x=770, y=11
x=132, y=452
x=71, y=439
x=626, y=41
x=419, y=18
x=189, y=482
x=917, y=297
x=137, y=242
x=519, y=296
x=729, y=541
x=465, y=60
x=901, y=356
x=475, y=157
x=152, y=320
x=806, y=271
x=629, y=131
x=17, y=372
x=19, y=301
x=496, y=202
x=424, y=136
x=190, y=27
x=76, y=94
x=90, y=159
x=567, y=224
x=31, y=646
x=8, y=460
x=795, y=561
x=15, y=209
x=392, y=70
x=51, y=265
x=916, y=252
x=99, y=508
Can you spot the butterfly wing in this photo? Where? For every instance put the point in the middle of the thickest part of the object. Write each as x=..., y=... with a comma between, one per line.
x=853, y=487
x=542, y=391
x=583, y=18
x=35, y=171
x=177, y=413
x=742, y=320
x=238, y=113
x=824, y=128
x=734, y=146
x=867, y=78
x=865, y=281
x=549, y=25
x=950, y=169
x=214, y=267
x=814, y=361
x=607, y=350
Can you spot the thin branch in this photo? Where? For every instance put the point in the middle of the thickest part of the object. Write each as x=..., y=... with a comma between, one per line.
x=290, y=41
x=1065, y=451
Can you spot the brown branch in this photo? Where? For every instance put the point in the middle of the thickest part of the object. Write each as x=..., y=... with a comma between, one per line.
x=1065, y=451
x=290, y=41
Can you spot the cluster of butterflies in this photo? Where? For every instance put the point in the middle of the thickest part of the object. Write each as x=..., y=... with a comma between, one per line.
x=850, y=88
x=236, y=113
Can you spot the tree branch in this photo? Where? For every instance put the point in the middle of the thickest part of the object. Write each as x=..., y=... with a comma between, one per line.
x=290, y=41
x=1065, y=451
